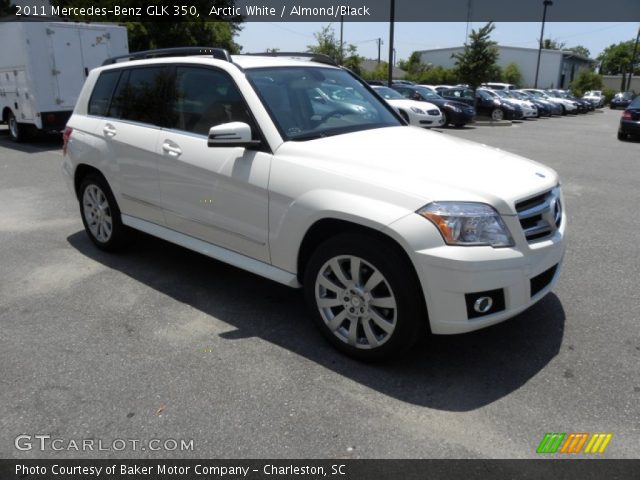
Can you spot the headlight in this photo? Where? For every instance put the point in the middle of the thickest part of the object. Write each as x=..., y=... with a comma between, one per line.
x=417, y=110
x=468, y=223
x=455, y=108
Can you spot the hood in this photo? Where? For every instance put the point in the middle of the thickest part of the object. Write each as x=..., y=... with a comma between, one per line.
x=406, y=103
x=411, y=167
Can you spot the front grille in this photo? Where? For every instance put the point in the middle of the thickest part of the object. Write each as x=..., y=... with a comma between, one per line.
x=433, y=112
x=540, y=216
x=539, y=282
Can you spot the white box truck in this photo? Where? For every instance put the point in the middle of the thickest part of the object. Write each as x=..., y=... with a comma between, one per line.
x=43, y=66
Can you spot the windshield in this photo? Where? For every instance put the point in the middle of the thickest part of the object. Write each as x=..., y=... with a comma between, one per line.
x=502, y=93
x=388, y=93
x=487, y=94
x=427, y=94
x=313, y=102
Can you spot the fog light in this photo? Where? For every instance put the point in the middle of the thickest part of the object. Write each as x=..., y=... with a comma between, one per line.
x=483, y=304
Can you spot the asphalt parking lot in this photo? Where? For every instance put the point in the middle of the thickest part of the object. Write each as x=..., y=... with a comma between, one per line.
x=162, y=343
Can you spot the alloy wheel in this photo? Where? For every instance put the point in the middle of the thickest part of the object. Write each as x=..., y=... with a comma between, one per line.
x=356, y=302
x=97, y=213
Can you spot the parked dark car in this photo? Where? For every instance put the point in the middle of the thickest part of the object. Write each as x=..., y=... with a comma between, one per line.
x=544, y=108
x=540, y=102
x=630, y=120
x=457, y=94
x=453, y=113
x=490, y=104
x=621, y=100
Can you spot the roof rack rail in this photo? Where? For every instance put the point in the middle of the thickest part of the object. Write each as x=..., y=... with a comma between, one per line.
x=314, y=57
x=219, y=53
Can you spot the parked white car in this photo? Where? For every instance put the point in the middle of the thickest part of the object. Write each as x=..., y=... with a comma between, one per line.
x=392, y=231
x=419, y=114
x=595, y=97
x=567, y=105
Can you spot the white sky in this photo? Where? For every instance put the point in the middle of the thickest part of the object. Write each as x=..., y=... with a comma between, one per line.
x=295, y=36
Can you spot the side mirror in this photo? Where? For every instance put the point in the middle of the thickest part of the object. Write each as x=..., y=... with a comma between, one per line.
x=233, y=134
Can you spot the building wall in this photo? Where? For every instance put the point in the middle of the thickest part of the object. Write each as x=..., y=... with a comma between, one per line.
x=551, y=70
x=614, y=82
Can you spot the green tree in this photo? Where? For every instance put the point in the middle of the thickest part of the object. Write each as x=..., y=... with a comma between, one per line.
x=148, y=33
x=551, y=44
x=6, y=8
x=512, y=74
x=477, y=63
x=379, y=73
x=413, y=65
x=585, y=81
x=328, y=44
x=580, y=50
x=616, y=58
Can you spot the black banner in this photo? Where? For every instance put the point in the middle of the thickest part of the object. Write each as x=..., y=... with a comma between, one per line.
x=333, y=11
x=574, y=469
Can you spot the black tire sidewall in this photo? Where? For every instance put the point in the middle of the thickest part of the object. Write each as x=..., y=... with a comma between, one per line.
x=118, y=233
x=411, y=320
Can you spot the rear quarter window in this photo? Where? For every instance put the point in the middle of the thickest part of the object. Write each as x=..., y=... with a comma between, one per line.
x=102, y=92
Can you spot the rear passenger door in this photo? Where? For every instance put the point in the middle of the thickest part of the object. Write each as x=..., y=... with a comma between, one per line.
x=215, y=194
x=130, y=130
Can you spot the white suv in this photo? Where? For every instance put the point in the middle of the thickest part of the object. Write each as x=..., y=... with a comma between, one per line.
x=392, y=231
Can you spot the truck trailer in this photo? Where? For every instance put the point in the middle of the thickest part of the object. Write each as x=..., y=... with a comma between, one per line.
x=43, y=66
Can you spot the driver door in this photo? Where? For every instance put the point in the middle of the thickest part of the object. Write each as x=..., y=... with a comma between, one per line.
x=219, y=195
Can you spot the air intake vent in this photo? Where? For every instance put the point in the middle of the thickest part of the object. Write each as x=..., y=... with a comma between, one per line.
x=540, y=216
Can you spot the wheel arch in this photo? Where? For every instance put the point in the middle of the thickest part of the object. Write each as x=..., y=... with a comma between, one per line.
x=5, y=114
x=82, y=170
x=329, y=227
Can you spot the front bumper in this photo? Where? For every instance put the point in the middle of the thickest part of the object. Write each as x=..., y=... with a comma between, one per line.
x=451, y=275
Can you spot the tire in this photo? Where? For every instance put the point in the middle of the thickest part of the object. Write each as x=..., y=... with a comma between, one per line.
x=497, y=115
x=459, y=125
x=564, y=110
x=445, y=119
x=100, y=213
x=18, y=132
x=622, y=136
x=373, y=315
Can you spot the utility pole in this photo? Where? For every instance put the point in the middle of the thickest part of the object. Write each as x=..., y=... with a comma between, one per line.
x=379, y=40
x=341, y=41
x=392, y=19
x=547, y=3
x=633, y=60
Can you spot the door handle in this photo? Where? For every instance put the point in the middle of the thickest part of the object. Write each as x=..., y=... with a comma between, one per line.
x=109, y=130
x=171, y=148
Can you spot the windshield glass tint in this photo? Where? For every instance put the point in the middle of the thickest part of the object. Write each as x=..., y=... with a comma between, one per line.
x=314, y=102
x=388, y=93
x=426, y=93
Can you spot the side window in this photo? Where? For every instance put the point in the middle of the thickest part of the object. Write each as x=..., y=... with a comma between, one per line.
x=102, y=91
x=148, y=95
x=206, y=98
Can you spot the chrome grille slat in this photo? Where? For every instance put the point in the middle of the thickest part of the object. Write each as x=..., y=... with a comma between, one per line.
x=541, y=215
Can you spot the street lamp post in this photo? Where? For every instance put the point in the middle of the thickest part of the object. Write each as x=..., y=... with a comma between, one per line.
x=547, y=3
x=633, y=60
